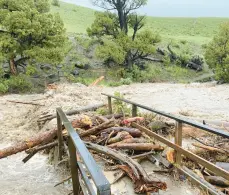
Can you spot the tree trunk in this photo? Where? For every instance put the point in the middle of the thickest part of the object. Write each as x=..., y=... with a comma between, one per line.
x=137, y=146
x=132, y=131
x=13, y=67
x=129, y=61
x=42, y=138
x=122, y=17
x=97, y=129
x=143, y=183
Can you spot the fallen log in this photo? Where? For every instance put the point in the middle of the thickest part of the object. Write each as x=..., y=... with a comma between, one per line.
x=116, y=116
x=82, y=122
x=141, y=180
x=118, y=176
x=158, y=157
x=33, y=151
x=102, y=119
x=97, y=129
x=138, y=146
x=119, y=137
x=130, y=120
x=129, y=141
x=142, y=155
x=153, y=59
x=64, y=180
x=71, y=112
x=133, y=132
x=114, y=155
x=28, y=103
x=209, y=148
x=216, y=180
x=42, y=138
x=97, y=81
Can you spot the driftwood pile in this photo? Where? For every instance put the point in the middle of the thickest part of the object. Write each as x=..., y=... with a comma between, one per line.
x=110, y=137
x=122, y=147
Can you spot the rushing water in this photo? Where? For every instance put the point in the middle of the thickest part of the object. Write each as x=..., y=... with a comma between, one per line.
x=36, y=177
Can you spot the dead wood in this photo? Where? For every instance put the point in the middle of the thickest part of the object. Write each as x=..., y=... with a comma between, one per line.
x=216, y=180
x=134, y=170
x=130, y=120
x=119, y=137
x=133, y=132
x=158, y=157
x=140, y=186
x=109, y=137
x=33, y=151
x=42, y=138
x=71, y=112
x=97, y=129
x=115, y=155
x=64, y=180
x=29, y=103
x=97, y=81
x=129, y=141
x=138, y=146
x=153, y=59
x=82, y=122
x=116, y=116
x=102, y=119
x=118, y=176
x=209, y=148
x=142, y=155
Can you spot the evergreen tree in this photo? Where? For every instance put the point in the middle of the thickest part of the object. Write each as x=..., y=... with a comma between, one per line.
x=217, y=53
x=118, y=32
x=28, y=32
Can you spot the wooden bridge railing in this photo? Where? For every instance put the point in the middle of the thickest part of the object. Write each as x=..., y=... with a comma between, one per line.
x=77, y=148
x=177, y=146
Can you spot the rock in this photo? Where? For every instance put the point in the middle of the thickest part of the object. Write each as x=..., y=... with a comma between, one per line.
x=75, y=72
x=157, y=125
x=45, y=67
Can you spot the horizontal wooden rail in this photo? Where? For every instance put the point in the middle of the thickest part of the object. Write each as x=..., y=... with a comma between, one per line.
x=76, y=145
x=177, y=146
x=177, y=118
x=219, y=171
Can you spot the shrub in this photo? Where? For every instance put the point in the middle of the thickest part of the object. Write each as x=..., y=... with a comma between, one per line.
x=18, y=84
x=126, y=81
x=102, y=111
x=217, y=53
x=183, y=42
x=3, y=87
x=120, y=106
x=56, y=3
x=31, y=70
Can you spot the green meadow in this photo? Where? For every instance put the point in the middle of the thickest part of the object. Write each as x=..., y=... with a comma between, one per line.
x=197, y=30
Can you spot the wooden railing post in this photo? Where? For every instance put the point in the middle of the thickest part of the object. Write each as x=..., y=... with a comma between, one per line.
x=60, y=136
x=134, y=110
x=74, y=167
x=178, y=141
x=109, y=105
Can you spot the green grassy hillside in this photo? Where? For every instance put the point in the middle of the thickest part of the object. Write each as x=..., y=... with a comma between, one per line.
x=197, y=30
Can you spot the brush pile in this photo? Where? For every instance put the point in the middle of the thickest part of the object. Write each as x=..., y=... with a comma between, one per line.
x=112, y=138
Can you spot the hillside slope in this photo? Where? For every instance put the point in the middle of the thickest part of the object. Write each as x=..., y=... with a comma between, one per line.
x=199, y=30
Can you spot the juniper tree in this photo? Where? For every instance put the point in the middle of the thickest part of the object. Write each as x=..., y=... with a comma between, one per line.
x=217, y=53
x=28, y=32
x=118, y=30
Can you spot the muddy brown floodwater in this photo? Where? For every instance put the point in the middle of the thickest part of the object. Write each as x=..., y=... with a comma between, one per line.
x=38, y=177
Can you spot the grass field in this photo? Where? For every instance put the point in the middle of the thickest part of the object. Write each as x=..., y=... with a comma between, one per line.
x=197, y=30
x=187, y=33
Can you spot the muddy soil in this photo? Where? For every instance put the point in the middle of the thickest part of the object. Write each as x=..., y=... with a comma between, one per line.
x=19, y=121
